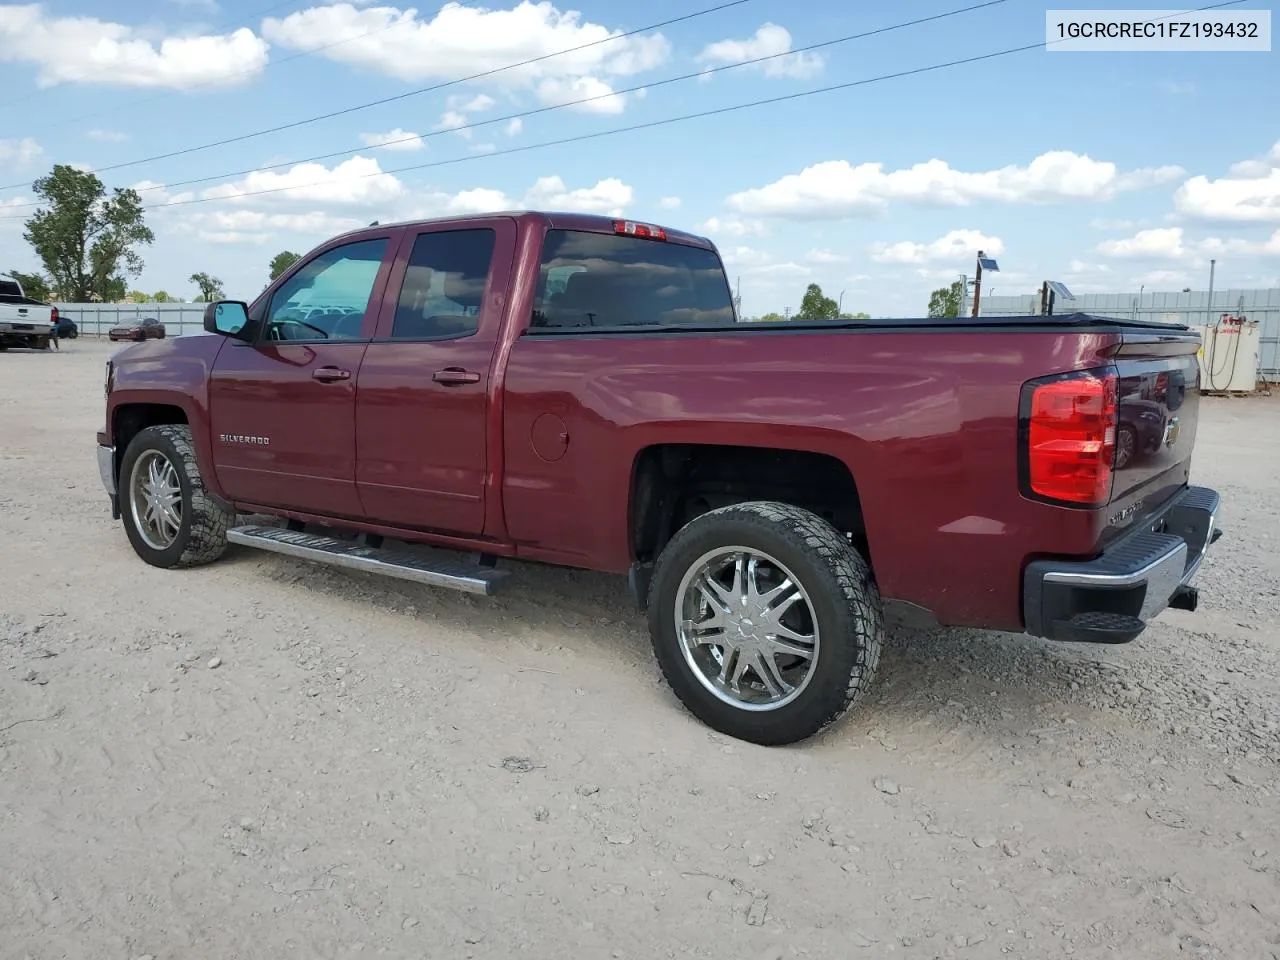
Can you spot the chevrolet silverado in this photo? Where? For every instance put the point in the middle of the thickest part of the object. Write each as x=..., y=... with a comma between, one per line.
x=422, y=400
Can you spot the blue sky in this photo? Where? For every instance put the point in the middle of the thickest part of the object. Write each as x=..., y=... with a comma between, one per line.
x=1107, y=170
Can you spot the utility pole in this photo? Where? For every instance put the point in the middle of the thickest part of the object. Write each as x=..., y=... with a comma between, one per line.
x=977, y=286
x=1209, y=305
x=840, y=305
x=964, y=293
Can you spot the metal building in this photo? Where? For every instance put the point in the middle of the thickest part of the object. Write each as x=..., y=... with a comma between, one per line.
x=1261, y=306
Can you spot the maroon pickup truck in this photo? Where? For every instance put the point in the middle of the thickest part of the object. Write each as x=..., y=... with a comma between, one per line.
x=422, y=400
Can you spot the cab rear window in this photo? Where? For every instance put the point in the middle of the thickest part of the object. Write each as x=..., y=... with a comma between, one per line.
x=597, y=280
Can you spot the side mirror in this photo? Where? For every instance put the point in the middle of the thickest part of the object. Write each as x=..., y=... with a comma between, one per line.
x=226, y=317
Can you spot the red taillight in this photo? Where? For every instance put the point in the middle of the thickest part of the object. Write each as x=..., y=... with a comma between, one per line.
x=54, y=317
x=646, y=231
x=1070, y=429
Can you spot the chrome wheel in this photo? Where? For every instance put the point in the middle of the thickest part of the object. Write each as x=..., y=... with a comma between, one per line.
x=747, y=628
x=1126, y=445
x=155, y=499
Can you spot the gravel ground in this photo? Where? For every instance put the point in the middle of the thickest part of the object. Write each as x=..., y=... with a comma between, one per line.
x=265, y=758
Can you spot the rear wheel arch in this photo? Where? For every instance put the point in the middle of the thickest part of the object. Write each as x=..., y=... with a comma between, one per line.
x=671, y=484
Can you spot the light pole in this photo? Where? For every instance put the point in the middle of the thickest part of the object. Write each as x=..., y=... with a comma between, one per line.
x=984, y=263
x=840, y=305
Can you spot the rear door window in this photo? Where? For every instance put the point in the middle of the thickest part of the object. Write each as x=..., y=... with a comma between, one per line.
x=444, y=284
x=600, y=280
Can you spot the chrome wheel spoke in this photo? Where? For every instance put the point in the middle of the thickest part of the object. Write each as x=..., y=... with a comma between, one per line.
x=782, y=648
x=155, y=499
x=766, y=668
x=746, y=627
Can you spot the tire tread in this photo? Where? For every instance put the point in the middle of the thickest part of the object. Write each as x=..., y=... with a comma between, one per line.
x=852, y=575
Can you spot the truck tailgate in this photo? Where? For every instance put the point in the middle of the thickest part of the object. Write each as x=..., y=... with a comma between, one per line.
x=1158, y=407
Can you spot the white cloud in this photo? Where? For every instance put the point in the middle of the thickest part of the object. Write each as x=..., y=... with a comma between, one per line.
x=395, y=139
x=107, y=136
x=610, y=197
x=955, y=245
x=598, y=95
x=88, y=50
x=1259, y=166
x=733, y=227
x=513, y=127
x=230, y=237
x=1155, y=278
x=769, y=41
x=359, y=181
x=477, y=104
x=825, y=257
x=458, y=110
x=1163, y=243
x=1104, y=224
x=1250, y=193
x=836, y=188
x=1170, y=243
x=462, y=41
x=19, y=153
x=669, y=203
x=762, y=264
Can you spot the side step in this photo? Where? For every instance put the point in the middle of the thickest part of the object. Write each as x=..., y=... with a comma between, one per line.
x=388, y=562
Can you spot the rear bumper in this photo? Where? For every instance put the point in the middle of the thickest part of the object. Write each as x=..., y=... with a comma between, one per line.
x=1112, y=598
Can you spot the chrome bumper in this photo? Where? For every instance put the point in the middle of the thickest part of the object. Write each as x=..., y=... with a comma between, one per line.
x=1112, y=598
x=107, y=468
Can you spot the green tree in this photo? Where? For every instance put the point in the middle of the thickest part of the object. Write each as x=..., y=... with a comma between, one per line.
x=161, y=296
x=210, y=287
x=946, y=301
x=772, y=318
x=816, y=306
x=33, y=285
x=281, y=262
x=855, y=316
x=87, y=241
x=112, y=290
x=137, y=296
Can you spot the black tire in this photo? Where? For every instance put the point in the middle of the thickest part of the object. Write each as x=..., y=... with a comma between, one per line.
x=843, y=599
x=202, y=532
x=72, y=334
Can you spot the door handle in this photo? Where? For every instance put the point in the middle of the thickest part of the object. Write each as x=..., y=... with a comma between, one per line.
x=455, y=376
x=330, y=374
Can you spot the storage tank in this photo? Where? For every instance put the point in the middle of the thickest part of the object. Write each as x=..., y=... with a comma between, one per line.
x=1229, y=355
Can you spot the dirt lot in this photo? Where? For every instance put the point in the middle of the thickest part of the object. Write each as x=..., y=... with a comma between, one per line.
x=377, y=769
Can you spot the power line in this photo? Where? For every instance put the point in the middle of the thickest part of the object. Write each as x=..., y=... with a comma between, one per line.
x=701, y=115
x=573, y=103
x=97, y=73
x=667, y=121
x=410, y=93
x=271, y=63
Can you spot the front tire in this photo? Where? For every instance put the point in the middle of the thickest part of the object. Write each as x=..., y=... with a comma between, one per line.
x=765, y=621
x=169, y=517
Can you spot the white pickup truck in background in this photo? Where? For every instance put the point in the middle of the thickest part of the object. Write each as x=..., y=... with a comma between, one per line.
x=23, y=322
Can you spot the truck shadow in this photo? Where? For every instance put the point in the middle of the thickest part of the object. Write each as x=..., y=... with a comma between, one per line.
x=966, y=686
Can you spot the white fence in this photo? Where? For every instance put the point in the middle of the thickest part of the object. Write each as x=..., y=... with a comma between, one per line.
x=1192, y=308
x=95, y=319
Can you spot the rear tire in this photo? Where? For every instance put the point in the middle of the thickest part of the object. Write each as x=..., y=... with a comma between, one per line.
x=819, y=639
x=169, y=517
